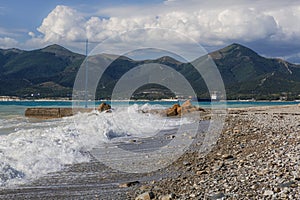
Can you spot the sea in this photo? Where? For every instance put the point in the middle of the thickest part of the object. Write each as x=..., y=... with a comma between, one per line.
x=31, y=148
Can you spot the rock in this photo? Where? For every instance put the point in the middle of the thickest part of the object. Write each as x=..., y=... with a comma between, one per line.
x=287, y=184
x=268, y=193
x=227, y=156
x=129, y=184
x=145, y=196
x=173, y=110
x=103, y=107
x=52, y=113
x=167, y=197
x=201, y=172
x=217, y=196
x=187, y=107
x=170, y=137
x=218, y=166
x=236, y=131
x=186, y=163
x=145, y=188
x=176, y=109
x=187, y=104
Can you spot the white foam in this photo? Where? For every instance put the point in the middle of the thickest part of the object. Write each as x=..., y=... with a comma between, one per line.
x=35, y=149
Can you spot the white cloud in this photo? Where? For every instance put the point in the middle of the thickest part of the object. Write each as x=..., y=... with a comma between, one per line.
x=31, y=34
x=211, y=23
x=288, y=20
x=63, y=23
x=6, y=42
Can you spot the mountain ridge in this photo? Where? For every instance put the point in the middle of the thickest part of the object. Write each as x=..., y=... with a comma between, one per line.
x=246, y=74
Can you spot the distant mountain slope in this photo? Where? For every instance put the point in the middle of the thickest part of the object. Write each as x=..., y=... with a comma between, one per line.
x=51, y=71
x=23, y=71
x=246, y=73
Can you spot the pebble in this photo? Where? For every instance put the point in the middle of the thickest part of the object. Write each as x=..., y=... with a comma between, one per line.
x=128, y=184
x=167, y=197
x=227, y=156
x=145, y=196
x=268, y=193
x=217, y=196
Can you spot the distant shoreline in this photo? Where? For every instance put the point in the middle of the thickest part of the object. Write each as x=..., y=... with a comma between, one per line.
x=13, y=98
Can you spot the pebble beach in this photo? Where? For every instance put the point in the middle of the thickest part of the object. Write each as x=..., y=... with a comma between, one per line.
x=255, y=157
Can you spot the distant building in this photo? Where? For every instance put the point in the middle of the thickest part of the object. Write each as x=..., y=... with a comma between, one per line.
x=214, y=95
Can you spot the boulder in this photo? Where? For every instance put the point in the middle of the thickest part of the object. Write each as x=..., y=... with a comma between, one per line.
x=187, y=107
x=187, y=104
x=173, y=110
x=103, y=107
x=176, y=109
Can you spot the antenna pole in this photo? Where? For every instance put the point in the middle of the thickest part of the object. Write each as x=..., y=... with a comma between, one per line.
x=86, y=74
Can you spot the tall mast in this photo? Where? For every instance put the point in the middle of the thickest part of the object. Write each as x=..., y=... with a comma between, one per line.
x=86, y=74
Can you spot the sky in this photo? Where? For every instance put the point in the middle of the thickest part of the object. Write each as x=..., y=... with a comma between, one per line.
x=271, y=28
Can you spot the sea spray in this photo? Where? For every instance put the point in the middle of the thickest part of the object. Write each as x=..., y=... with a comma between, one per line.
x=37, y=148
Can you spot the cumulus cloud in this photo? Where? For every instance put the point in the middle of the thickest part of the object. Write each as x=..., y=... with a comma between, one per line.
x=288, y=21
x=6, y=42
x=212, y=26
x=211, y=23
x=63, y=23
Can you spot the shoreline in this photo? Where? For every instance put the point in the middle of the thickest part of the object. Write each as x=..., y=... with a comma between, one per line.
x=255, y=157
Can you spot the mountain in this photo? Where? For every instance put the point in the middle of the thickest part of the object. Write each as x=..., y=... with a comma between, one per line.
x=51, y=71
x=247, y=74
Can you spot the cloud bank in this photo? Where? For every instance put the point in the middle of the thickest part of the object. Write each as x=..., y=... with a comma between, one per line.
x=211, y=23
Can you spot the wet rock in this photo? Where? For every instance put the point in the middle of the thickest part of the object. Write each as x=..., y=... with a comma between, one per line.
x=103, y=107
x=186, y=107
x=173, y=110
x=217, y=196
x=129, y=184
x=187, y=104
x=170, y=137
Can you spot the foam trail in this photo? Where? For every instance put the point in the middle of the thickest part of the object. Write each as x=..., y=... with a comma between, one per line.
x=37, y=148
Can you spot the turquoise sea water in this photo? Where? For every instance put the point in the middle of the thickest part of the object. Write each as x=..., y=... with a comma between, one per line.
x=10, y=109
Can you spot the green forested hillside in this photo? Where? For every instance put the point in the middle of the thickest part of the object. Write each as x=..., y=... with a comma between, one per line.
x=51, y=71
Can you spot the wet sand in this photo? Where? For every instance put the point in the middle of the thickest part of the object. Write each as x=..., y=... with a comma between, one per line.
x=256, y=157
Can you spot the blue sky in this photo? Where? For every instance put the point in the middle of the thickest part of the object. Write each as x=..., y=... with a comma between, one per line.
x=18, y=18
x=271, y=28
